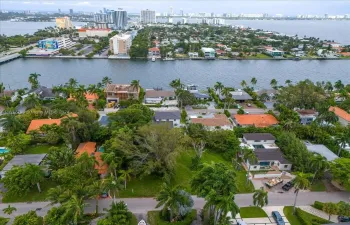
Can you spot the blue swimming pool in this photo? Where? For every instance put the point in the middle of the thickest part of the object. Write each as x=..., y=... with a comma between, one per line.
x=3, y=150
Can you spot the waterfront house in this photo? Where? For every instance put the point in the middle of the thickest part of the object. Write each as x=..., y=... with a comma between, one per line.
x=271, y=93
x=154, y=51
x=307, y=116
x=118, y=92
x=90, y=149
x=41, y=92
x=344, y=117
x=259, y=139
x=322, y=150
x=157, y=96
x=268, y=159
x=170, y=117
x=273, y=52
x=332, y=44
x=91, y=97
x=213, y=122
x=257, y=120
x=21, y=160
x=220, y=52
x=239, y=95
x=200, y=96
x=193, y=54
x=209, y=53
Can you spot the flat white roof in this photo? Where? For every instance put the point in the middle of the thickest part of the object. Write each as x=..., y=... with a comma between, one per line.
x=322, y=150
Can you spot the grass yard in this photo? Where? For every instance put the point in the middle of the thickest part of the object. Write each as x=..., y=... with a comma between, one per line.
x=260, y=56
x=38, y=149
x=3, y=221
x=294, y=220
x=288, y=212
x=252, y=212
x=318, y=185
x=33, y=195
x=148, y=186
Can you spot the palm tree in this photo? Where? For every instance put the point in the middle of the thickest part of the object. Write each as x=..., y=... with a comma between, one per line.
x=249, y=156
x=36, y=173
x=2, y=89
x=113, y=162
x=338, y=85
x=106, y=80
x=31, y=101
x=125, y=175
x=95, y=189
x=73, y=83
x=74, y=208
x=342, y=140
x=226, y=93
x=218, y=86
x=113, y=185
x=176, y=84
x=11, y=123
x=253, y=81
x=226, y=204
x=288, y=82
x=243, y=83
x=135, y=84
x=92, y=89
x=9, y=210
x=171, y=198
x=33, y=80
x=319, y=163
x=328, y=116
x=301, y=182
x=260, y=198
x=273, y=83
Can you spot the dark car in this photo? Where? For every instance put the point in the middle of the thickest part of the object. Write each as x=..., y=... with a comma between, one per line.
x=343, y=219
x=278, y=218
x=287, y=186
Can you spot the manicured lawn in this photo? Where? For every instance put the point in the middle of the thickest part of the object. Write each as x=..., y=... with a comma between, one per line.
x=259, y=56
x=38, y=149
x=3, y=221
x=293, y=220
x=134, y=220
x=252, y=212
x=150, y=186
x=33, y=195
x=318, y=185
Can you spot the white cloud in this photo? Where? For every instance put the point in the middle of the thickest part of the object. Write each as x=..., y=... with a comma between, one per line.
x=48, y=3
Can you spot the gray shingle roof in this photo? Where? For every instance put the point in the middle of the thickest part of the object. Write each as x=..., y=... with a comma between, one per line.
x=200, y=95
x=167, y=115
x=270, y=154
x=322, y=150
x=259, y=136
x=20, y=160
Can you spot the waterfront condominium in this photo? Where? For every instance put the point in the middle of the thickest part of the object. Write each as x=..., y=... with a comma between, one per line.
x=120, y=44
x=64, y=22
x=148, y=16
x=119, y=19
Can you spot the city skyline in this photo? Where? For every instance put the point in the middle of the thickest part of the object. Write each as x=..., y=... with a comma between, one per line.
x=288, y=8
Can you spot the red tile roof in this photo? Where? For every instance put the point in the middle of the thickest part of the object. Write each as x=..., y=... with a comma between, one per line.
x=154, y=49
x=90, y=148
x=36, y=124
x=257, y=120
x=217, y=121
x=340, y=113
x=91, y=96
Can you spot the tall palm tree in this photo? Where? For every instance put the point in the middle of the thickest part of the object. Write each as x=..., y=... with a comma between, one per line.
x=106, y=80
x=243, y=83
x=170, y=198
x=113, y=185
x=96, y=189
x=135, y=84
x=249, y=156
x=113, y=162
x=301, y=182
x=31, y=101
x=176, y=84
x=260, y=198
x=92, y=89
x=125, y=175
x=273, y=83
x=226, y=204
x=342, y=140
x=288, y=82
x=253, y=81
x=74, y=209
x=338, y=85
x=73, y=83
x=218, y=86
x=36, y=173
x=11, y=123
x=33, y=80
x=2, y=89
x=319, y=163
x=9, y=210
x=226, y=93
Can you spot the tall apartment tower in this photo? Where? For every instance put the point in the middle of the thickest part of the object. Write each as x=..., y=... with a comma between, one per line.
x=148, y=16
x=119, y=19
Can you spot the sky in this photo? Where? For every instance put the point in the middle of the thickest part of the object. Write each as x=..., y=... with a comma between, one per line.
x=285, y=7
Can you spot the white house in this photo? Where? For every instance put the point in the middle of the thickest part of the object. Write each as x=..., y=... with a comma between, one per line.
x=257, y=139
x=269, y=159
x=171, y=117
x=193, y=54
x=157, y=96
x=213, y=122
x=332, y=44
x=307, y=116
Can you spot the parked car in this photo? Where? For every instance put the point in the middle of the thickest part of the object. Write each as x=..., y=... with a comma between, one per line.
x=343, y=219
x=287, y=186
x=277, y=216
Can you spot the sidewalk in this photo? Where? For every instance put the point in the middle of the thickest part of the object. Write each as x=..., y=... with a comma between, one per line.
x=319, y=213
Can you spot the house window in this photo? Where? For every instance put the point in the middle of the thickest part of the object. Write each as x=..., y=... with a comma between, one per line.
x=257, y=140
x=255, y=167
x=285, y=166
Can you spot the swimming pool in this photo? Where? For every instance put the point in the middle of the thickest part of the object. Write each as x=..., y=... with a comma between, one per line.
x=3, y=150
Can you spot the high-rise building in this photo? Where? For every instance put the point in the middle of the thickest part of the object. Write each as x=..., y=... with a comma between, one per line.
x=326, y=16
x=120, y=44
x=148, y=16
x=118, y=18
x=181, y=12
x=64, y=22
x=171, y=12
x=71, y=11
x=102, y=18
x=183, y=20
x=170, y=20
x=59, y=10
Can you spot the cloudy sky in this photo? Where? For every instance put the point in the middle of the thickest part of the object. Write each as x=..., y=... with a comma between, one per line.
x=286, y=7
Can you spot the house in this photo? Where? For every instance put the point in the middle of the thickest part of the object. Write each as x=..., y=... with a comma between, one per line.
x=91, y=97
x=36, y=124
x=322, y=150
x=307, y=116
x=156, y=43
x=90, y=149
x=269, y=159
x=218, y=121
x=157, y=96
x=193, y=54
x=200, y=96
x=153, y=51
x=21, y=160
x=239, y=95
x=332, y=44
x=220, y=52
x=257, y=120
x=344, y=117
x=271, y=93
x=273, y=52
x=209, y=53
x=258, y=139
x=171, y=117
x=118, y=92
x=42, y=92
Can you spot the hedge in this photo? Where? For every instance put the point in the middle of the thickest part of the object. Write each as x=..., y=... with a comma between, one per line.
x=155, y=219
x=308, y=219
x=318, y=205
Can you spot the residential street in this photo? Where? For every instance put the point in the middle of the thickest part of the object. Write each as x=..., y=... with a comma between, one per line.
x=142, y=205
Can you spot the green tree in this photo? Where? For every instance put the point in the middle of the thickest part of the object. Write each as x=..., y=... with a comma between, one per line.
x=342, y=140
x=117, y=214
x=113, y=185
x=59, y=158
x=273, y=83
x=11, y=123
x=9, y=210
x=240, y=111
x=340, y=169
x=125, y=175
x=243, y=83
x=301, y=182
x=30, y=218
x=218, y=86
x=223, y=205
x=253, y=81
x=250, y=158
x=96, y=189
x=135, y=84
x=330, y=208
x=17, y=143
x=260, y=198
x=183, y=116
x=33, y=80
x=319, y=163
x=176, y=84
x=74, y=209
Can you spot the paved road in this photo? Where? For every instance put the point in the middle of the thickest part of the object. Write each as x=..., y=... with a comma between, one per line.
x=232, y=111
x=142, y=205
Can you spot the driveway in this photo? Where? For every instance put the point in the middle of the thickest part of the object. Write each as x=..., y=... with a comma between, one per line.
x=270, y=209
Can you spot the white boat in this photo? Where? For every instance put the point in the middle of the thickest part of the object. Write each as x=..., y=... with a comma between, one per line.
x=153, y=59
x=168, y=59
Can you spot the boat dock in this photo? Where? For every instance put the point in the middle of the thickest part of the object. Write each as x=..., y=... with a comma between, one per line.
x=8, y=58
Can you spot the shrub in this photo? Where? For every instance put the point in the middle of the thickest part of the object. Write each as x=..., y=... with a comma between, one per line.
x=306, y=219
x=154, y=218
x=227, y=113
x=318, y=205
